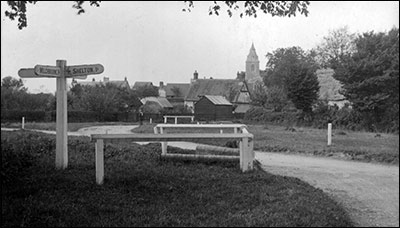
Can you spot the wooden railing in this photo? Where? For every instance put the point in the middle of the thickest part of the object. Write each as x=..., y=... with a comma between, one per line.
x=245, y=139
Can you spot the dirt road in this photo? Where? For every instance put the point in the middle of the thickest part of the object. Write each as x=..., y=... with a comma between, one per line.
x=369, y=192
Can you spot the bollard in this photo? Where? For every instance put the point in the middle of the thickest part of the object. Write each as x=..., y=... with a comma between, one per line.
x=151, y=120
x=329, y=134
x=23, y=122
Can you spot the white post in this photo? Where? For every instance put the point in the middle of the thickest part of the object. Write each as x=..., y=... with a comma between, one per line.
x=23, y=122
x=251, y=153
x=151, y=120
x=329, y=134
x=192, y=118
x=221, y=131
x=176, y=120
x=99, y=161
x=61, y=119
x=165, y=119
x=163, y=144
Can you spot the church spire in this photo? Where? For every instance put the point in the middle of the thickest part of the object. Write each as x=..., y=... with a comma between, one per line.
x=252, y=66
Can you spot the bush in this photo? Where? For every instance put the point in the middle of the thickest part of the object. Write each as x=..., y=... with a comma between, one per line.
x=20, y=152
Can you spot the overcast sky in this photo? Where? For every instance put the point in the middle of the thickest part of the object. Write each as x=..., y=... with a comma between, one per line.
x=156, y=41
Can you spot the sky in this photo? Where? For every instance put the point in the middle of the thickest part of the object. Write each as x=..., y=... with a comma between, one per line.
x=157, y=41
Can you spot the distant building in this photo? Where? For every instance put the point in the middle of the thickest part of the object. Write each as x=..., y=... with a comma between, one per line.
x=174, y=92
x=155, y=104
x=213, y=108
x=119, y=83
x=141, y=84
x=252, y=66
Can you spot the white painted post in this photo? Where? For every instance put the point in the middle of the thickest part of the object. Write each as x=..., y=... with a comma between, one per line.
x=23, y=122
x=221, y=131
x=329, y=134
x=245, y=154
x=61, y=120
x=176, y=120
x=251, y=153
x=151, y=120
x=99, y=161
x=165, y=119
x=163, y=144
x=192, y=118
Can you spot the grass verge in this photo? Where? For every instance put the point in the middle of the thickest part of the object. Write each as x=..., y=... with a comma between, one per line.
x=142, y=190
x=348, y=145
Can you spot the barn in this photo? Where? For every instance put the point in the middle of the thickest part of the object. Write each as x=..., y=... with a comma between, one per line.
x=213, y=108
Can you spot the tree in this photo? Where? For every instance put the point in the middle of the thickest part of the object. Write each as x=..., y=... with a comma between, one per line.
x=370, y=77
x=13, y=84
x=146, y=91
x=294, y=71
x=251, y=8
x=336, y=47
x=177, y=91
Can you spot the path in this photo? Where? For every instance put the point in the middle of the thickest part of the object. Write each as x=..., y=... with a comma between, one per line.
x=369, y=192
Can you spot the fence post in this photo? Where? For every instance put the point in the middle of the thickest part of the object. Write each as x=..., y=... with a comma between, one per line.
x=329, y=134
x=99, y=161
x=23, y=122
x=163, y=144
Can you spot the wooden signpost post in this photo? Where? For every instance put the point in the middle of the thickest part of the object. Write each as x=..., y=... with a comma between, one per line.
x=61, y=72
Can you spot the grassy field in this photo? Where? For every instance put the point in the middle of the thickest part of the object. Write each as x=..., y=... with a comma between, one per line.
x=142, y=190
x=351, y=145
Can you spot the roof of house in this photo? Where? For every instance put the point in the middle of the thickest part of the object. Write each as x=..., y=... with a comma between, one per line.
x=140, y=84
x=183, y=88
x=162, y=101
x=242, y=108
x=218, y=100
x=216, y=87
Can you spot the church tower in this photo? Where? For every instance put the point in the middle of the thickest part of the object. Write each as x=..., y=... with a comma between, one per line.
x=252, y=66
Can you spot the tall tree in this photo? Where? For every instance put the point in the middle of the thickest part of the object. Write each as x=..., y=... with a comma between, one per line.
x=336, y=47
x=294, y=71
x=247, y=8
x=370, y=76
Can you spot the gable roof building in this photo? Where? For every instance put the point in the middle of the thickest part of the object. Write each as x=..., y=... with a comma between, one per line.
x=141, y=84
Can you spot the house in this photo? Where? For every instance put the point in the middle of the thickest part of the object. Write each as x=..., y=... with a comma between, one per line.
x=228, y=88
x=137, y=85
x=329, y=88
x=213, y=108
x=174, y=92
x=106, y=80
x=155, y=104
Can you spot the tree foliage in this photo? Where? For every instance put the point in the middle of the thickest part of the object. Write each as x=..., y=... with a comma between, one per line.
x=102, y=98
x=18, y=9
x=14, y=96
x=251, y=8
x=146, y=91
x=336, y=47
x=370, y=76
x=294, y=71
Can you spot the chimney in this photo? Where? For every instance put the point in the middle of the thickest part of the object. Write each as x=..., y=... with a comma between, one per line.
x=106, y=79
x=195, y=75
x=161, y=84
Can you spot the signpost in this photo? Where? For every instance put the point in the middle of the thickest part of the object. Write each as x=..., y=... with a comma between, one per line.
x=61, y=72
